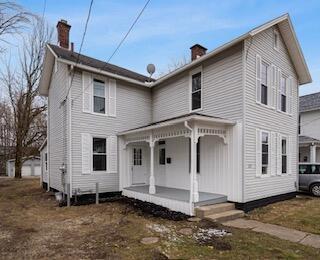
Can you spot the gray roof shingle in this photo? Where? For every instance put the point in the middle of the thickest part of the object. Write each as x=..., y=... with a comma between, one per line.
x=309, y=102
x=85, y=60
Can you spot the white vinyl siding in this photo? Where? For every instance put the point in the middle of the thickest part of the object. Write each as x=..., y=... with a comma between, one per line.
x=267, y=118
x=86, y=144
x=133, y=109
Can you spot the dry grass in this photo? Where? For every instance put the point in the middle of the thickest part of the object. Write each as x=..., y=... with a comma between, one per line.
x=32, y=226
x=302, y=213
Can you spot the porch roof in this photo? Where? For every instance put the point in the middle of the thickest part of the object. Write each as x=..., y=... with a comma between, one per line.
x=180, y=119
x=303, y=139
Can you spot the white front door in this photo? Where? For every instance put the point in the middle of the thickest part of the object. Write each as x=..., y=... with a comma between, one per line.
x=139, y=166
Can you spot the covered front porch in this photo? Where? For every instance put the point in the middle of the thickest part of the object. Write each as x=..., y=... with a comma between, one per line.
x=182, y=163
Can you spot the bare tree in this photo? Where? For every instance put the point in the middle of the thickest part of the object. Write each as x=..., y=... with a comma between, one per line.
x=13, y=19
x=22, y=84
x=173, y=65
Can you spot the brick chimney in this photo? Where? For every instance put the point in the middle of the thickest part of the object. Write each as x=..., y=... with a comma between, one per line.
x=197, y=51
x=63, y=29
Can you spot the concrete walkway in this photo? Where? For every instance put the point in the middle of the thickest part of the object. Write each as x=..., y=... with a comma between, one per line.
x=278, y=231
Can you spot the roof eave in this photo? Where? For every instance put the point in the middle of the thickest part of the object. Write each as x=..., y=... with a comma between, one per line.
x=48, y=64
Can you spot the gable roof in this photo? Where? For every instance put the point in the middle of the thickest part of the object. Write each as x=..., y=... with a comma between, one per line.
x=284, y=23
x=85, y=60
x=309, y=102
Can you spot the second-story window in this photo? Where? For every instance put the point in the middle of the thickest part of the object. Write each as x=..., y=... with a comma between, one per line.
x=283, y=96
x=99, y=97
x=196, y=91
x=264, y=83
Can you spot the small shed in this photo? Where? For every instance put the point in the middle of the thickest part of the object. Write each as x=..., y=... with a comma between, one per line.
x=30, y=167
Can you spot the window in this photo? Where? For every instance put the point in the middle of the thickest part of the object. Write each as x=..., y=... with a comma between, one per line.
x=309, y=169
x=276, y=40
x=137, y=156
x=99, y=154
x=196, y=91
x=284, y=155
x=46, y=161
x=283, y=91
x=265, y=152
x=162, y=156
x=99, y=100
x=198, y=155
x=264, y=83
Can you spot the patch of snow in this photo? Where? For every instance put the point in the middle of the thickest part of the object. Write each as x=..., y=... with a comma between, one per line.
x=158, y=228
x=205, y=234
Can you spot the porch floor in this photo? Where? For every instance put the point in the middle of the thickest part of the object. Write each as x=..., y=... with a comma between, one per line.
x=205, y=198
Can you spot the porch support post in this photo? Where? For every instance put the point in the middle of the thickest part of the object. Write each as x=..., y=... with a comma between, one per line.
x=313, y=153
x=193, y=175
x=152, y=186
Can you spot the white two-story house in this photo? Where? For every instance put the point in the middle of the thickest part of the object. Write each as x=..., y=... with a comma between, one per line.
x=309, y=128
x=224, y=127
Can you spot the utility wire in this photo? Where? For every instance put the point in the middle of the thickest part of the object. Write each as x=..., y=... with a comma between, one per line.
x=123, y=39
x=79, y=53
x=128, y=32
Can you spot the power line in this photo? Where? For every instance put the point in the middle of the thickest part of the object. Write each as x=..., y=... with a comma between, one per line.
x=78, y=56
x=126, y=35
x=44, y=8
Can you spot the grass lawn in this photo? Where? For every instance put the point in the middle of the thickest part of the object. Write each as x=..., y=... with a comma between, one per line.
x=301, y=213
x=32, y=226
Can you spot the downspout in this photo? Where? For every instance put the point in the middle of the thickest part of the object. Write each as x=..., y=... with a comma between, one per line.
x=191, y=177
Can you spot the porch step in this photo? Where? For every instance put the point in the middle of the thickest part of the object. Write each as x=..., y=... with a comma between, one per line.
x=225, y=216
x=205, y=211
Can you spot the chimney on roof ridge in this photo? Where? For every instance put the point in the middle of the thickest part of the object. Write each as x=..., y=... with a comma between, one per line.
x=63, y=29
x=197, y=51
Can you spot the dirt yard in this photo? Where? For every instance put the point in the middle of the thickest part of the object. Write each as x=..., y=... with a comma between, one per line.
x=32, y=226
x=302, y=213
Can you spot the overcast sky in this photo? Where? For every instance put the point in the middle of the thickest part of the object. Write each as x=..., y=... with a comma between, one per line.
x=167, y=28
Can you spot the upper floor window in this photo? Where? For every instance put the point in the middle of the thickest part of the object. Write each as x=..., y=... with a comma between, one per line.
x=264, y=83
x=99, y=154
x=99, y=97
x=283, y=95
x=276, y=40
x=196, y=88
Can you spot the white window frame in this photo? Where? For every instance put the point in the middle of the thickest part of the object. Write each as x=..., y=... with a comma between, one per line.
x=283, y=76
x=276, y=44
x=105, y=97
x=269, y=153
x=283, y=137
x=268, y=83
x=92, y=154
x=193, y=72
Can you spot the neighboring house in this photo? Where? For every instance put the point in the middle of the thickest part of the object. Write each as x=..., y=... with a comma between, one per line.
x=223, y=127
x=309, y=128
x=30, y=167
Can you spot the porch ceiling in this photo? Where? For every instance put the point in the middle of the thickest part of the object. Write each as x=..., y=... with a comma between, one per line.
x=180, y=119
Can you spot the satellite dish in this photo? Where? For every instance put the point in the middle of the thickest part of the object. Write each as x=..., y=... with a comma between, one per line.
x=151, y=69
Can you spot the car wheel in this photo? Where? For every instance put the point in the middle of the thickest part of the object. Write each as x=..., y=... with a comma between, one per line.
x=315, y=189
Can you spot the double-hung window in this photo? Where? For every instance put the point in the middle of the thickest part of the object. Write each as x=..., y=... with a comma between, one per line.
x=99, y=154
x=196, y=87
x=265, y=152
x=46, y=161
x=283, y=95
x=264, y=83
x=99, y=97
x=284, y=155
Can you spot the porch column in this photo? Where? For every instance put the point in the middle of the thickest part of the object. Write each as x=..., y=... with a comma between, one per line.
x=313, y=153
x=152, y=187
x=193, y=173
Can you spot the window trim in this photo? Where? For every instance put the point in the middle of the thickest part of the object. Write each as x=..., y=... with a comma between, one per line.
x=191, y=73
x=269, y=153
x=276, y=46
x=105, y=96
x=106, y=154
x=283, y=137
